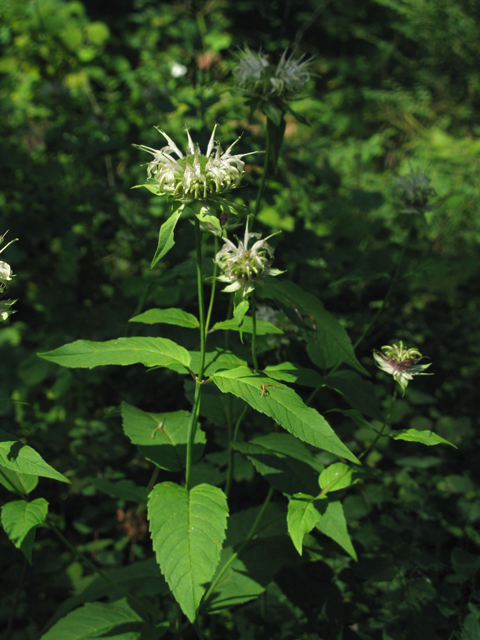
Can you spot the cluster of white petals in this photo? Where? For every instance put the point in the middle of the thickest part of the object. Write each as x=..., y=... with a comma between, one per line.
x=194, y=176
x=257, y=77
x=401, y=363
x=5, y=276
x=243, y=268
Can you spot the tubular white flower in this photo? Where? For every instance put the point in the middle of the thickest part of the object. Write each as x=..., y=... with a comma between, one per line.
x=194, y=176
x=401, y=363
x=244, y=268
x=5, y=273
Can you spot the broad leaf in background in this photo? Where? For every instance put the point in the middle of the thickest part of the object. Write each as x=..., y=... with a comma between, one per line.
x=177, y=317
x=20, y=519
x=215, y=405
x=288, y=372
x=188, y=530
x=165, y=236
x=19, y=457
x=302, y=516
x=121, y=489
x=94, y=620
x=151, y=352
x=333, y=524
x=328, y=344
x=284, y=406
x=161, y=437
x=20, y=483
x=359, y=393
x=424, y=437
x=263, y=327
x=215, y=360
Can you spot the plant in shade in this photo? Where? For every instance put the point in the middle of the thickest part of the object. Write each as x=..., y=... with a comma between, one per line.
x=401, y=363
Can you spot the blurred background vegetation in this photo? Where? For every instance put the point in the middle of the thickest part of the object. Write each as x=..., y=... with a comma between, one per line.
x=396, y=87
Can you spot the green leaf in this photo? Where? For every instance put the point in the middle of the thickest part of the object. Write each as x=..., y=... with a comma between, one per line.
x=359, y=393
x=93, y=620
x=20, y=483
x=216, y=406
x=153, y=188
x=209, y=219
x=302, y=516
x=121, y=489
x=16, y=456
x=167, y=316
x=328, y=344
x=263, y=327
x=337, y=476
x=284, y=406
x=289, y=372
x=215, y=360
x=165, y=446
x=356, y=417
x=20, y=519
x=424, y=437
x=188, y=530
x=165, y=237
x=333, y=524
x=151, y=352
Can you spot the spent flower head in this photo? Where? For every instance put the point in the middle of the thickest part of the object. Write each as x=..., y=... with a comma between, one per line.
x=194, y=176
x=244, y=268
x=258, y=78
x=413, y=192
x=401, y=363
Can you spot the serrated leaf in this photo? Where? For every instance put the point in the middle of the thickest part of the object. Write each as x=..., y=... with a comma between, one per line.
x=20, y=483
x=328, y=344
x=302, y=517
x=177, y=317
x=188, y=530
x=333, y=524
x=121, y=489
x=20, y=519
x=151, y=352
x=289, y=372
x=92, y=620
x=215, y=360
x=424, y=437
x=165, y=236
x=263, y=327
x=162, y=437
x=285, y=407
x=215, y=405
x=19, y=457
x=337, y=476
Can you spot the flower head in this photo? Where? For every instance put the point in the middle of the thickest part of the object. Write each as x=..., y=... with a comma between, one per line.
x=258, y=78
x=413, y=192
x=194, y=176
x=5, y=276
x=401, y=363
x=243, y=268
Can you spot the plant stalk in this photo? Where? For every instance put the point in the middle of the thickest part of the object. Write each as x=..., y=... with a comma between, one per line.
x=261, y=187
x=254, y=333
x=385, y=422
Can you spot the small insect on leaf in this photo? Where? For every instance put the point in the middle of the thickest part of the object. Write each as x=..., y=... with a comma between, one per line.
x=264, y=391
x=159, y=428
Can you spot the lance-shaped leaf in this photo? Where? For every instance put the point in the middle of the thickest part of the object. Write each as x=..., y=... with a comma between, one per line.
x=424, y=437
x=20, y=483
x=165, y=236
x=302, y=516
x=188, y=530
x=177, y=317
x=263, y=327
x=333, y=524
x=94, y=620
x=152, y=352
x=337, y=476
x=328, y=343
x=16, y=456
x=285, y=407
x=20, y=519
x=288, y=372
x=162, y=437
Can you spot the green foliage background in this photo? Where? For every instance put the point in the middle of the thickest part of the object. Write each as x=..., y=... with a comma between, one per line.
x=396, y=87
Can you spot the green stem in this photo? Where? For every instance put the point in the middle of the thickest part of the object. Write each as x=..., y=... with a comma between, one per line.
x=251, y=533
x=231, y=452
x=261, y=187
x=145, y=606
x=380, y=433
x=214, y=284
x=254, y=333
x=203, y=344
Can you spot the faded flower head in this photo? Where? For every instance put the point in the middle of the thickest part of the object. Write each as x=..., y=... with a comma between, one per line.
x=244, y=268
x=413, y=192
x=258, y=78
x=194, y=176
x=401, y=363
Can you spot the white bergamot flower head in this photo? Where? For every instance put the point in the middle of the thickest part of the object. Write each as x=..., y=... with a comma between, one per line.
x=5, y=276
x=258, y=78
x=194, y=176
x=244, y=268
x=401, y=363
